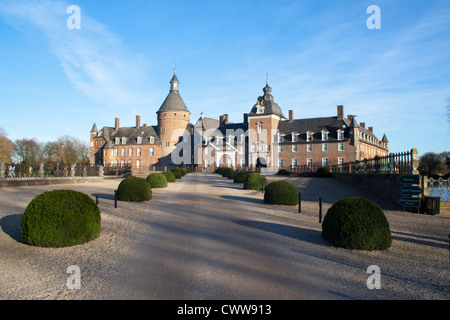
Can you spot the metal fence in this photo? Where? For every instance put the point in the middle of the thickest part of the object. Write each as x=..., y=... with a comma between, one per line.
x=394, y=163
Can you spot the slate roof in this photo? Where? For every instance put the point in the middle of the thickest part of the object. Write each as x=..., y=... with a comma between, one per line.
x=267, y=102
x=131, y=134
x=173, y=101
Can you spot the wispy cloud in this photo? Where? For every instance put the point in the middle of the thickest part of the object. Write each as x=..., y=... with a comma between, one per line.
x=94, y=59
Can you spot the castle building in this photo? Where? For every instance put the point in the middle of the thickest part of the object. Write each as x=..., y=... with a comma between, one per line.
x=264, y=138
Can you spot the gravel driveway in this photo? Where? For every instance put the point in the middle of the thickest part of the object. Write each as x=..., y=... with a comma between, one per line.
x=205, y=237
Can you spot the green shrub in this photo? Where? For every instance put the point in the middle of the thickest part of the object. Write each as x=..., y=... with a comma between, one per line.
x=281, y=192
x=219, y=170
x=240, y=177
x=323, y=172
x=255, y=181
x=177, y=173
x=228, y=173
x=183, y=171
x=157, y=180
x=283, y=172
x=170, y=177
x=60, y=218
x=134, y=189
x=357, y=223
x=188, y=170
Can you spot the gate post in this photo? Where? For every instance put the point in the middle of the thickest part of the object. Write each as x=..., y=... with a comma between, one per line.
x=414, y=161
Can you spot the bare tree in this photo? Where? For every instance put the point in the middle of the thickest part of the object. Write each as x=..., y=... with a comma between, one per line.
x=6, y=147
x=67, y=150
x=28, y=152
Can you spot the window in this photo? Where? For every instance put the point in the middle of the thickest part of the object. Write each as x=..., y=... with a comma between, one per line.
x=260, y=110
x=152, y=140
x=152, y=152
x=280, y=148
x=309, y=147
x=340, y=160
x=324, y=135
x=294, y=148
x=242, y=162
x=122, y=163
x=138, y=163
x=253, y=148
x=96, y=142
x=130, y=152
x=280, y=138
x=124, y=140
x=112, y=153
x=260, y=128
x=294, y=137
x=280, y=163
x=309, y=162
x=309, y=136
x=294, y=162
x=206, y=163
x=340, y=135
x=167, y=143
x=340, y=146
x=139, y=140
x=163, y=130
x=138, y=152
x=117, y=140
x=130, y=163
x=324, y=162
x=324, y=146
x=117, y=152
x=123, y=152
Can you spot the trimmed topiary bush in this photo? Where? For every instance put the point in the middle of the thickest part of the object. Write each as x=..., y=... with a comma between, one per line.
x=157, y=180
x=356, y=223
x=60, y=218
x=177, y=173
x=183, y=171
x=134, y=189
x=219, y=170
x=228, y=173
x=283, y=172
x=170, y=177
x=240, y=177
x=255, y=181
x=323, y=172
x=281, y=192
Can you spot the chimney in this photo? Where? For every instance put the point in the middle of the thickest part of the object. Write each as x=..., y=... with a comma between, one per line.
x=291, y=116
x=362, y=124
x=371, y=129
x=224, y=119
x=138, y=121
x=340, y=112
x=117, y=125
x=350, y=117
x=145, y=125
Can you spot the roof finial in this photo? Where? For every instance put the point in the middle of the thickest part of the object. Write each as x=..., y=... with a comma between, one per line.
x=267, y=77
x=174, y=68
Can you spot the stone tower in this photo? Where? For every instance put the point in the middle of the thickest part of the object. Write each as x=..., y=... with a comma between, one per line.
x=173, y=120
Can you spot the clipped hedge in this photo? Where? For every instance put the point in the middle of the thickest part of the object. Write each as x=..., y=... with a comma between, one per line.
x=219, y=170
x=170, y=177
x=323, y=172
x=177, y=173
x=240, y=177
x=157, y=180
x=134, y=189
x=228, y=173
x=255, y=181
x=60, y=218
x=357, y=223
x=281, y=192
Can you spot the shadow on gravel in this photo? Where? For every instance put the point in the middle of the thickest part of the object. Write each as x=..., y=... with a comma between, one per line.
x=302, y=234
x=105, y=196
x=245, y=199
x=11, y=226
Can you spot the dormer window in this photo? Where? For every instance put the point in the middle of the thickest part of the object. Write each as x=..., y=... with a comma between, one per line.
x=309, y=136
x=294, y=137
x=260, y=110
x=340, y=135
x=152, y=140
x=324, y=135
x=281, y=138
x=139, y=140
x=117, y=140
x=124, y=140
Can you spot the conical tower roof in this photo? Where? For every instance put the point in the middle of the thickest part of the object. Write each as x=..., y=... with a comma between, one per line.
x=173, y=101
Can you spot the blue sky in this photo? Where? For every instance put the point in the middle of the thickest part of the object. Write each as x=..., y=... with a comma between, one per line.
x=319, y=54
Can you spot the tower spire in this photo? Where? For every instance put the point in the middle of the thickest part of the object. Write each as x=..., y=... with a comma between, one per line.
x=174, y=68
x=267, y=77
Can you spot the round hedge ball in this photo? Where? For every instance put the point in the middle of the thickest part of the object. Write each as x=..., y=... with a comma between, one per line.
x=177, y=173
x=134, y=189
x=281, y=192
x=255, y=181
x=170, y=177
x=357, y=223
x=240, y=177
x=157, y=180
x=60, y=218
